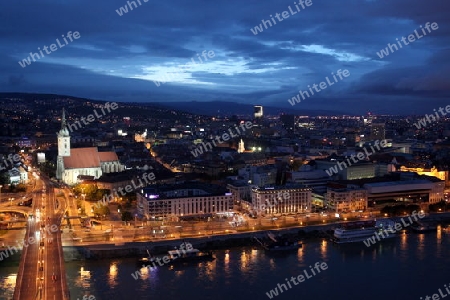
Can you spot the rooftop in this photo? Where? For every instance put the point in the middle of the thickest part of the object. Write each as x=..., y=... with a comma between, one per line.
x=161, y=192
x=281, y=187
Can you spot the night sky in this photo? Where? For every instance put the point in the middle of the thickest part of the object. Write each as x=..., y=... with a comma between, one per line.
x=118, y=57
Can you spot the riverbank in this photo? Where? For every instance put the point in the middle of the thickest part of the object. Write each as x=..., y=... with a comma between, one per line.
x=229, y=240
x=137, y=249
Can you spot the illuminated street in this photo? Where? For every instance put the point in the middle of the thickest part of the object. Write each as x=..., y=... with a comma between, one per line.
x=41, y=272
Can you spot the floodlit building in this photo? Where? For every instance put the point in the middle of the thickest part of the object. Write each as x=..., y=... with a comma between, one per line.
x=441, y=174
x=73, y=163
x=184, y=200
x=409, y=191
x=258, y=111
x=289, y=199
x=344, y=199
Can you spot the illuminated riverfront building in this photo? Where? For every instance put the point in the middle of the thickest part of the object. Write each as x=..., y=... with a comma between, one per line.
x=289, y=199
x=346, y=199
x=184, y=200
x=394, y=188
x=429, y=190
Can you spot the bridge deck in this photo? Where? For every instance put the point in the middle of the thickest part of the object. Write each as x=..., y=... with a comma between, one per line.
x=41, y=272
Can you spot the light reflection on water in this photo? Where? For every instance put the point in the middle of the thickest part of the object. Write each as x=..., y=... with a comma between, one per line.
x=113, y=271
x=84, y=280
x=245, y=273
x=7, y=282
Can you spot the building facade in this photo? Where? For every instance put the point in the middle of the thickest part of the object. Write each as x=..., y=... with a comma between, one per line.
x=290, y=199
x=242, y=194
x=72, y=163
x=346, y=199
x=341, y=169
x=183, y=200
x=408, y=191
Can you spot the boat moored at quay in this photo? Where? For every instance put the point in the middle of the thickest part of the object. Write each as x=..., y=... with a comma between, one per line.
x=276, y=244
x=187, y=253
x=358, y=231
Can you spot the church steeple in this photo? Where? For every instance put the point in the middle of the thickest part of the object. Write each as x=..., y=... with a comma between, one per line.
x=63, y=137
x=64, y=131
x=241, y=147
x=63, y=119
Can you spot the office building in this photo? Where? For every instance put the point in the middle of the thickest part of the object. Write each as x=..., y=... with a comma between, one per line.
x=377, y=131
x=258, y=111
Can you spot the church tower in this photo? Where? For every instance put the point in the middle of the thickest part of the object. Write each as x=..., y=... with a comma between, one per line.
x=63, y=146
x=241, y=147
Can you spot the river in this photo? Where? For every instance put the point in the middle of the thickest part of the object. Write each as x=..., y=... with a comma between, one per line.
x=409, y=266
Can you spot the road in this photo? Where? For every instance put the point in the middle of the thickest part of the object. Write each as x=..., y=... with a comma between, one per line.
x=41, y=272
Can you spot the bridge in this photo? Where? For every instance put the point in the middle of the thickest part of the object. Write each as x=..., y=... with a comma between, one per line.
x=25, y=212
x=41, y=271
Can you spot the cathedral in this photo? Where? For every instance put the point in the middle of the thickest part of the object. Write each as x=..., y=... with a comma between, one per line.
x=77, y=163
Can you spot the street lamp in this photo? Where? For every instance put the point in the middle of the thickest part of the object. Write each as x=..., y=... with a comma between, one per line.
x=84, y=199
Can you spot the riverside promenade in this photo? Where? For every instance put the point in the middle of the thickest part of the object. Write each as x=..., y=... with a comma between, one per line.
x=77, y=251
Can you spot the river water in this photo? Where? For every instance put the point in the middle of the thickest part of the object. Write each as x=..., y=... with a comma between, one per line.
x=409, y=266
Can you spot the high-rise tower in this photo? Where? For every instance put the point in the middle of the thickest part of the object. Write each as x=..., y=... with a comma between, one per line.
x=377, y=131
x=258, y=111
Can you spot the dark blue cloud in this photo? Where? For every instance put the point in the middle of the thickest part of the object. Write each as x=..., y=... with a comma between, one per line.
x=118, y=57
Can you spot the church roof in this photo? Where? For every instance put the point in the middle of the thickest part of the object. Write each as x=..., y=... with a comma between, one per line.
x=82, y=158
x=108, y=156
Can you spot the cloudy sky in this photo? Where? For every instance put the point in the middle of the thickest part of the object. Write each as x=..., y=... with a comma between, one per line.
x=119, y=57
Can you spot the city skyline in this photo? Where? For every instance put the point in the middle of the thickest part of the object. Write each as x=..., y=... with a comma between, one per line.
x=168, y=149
